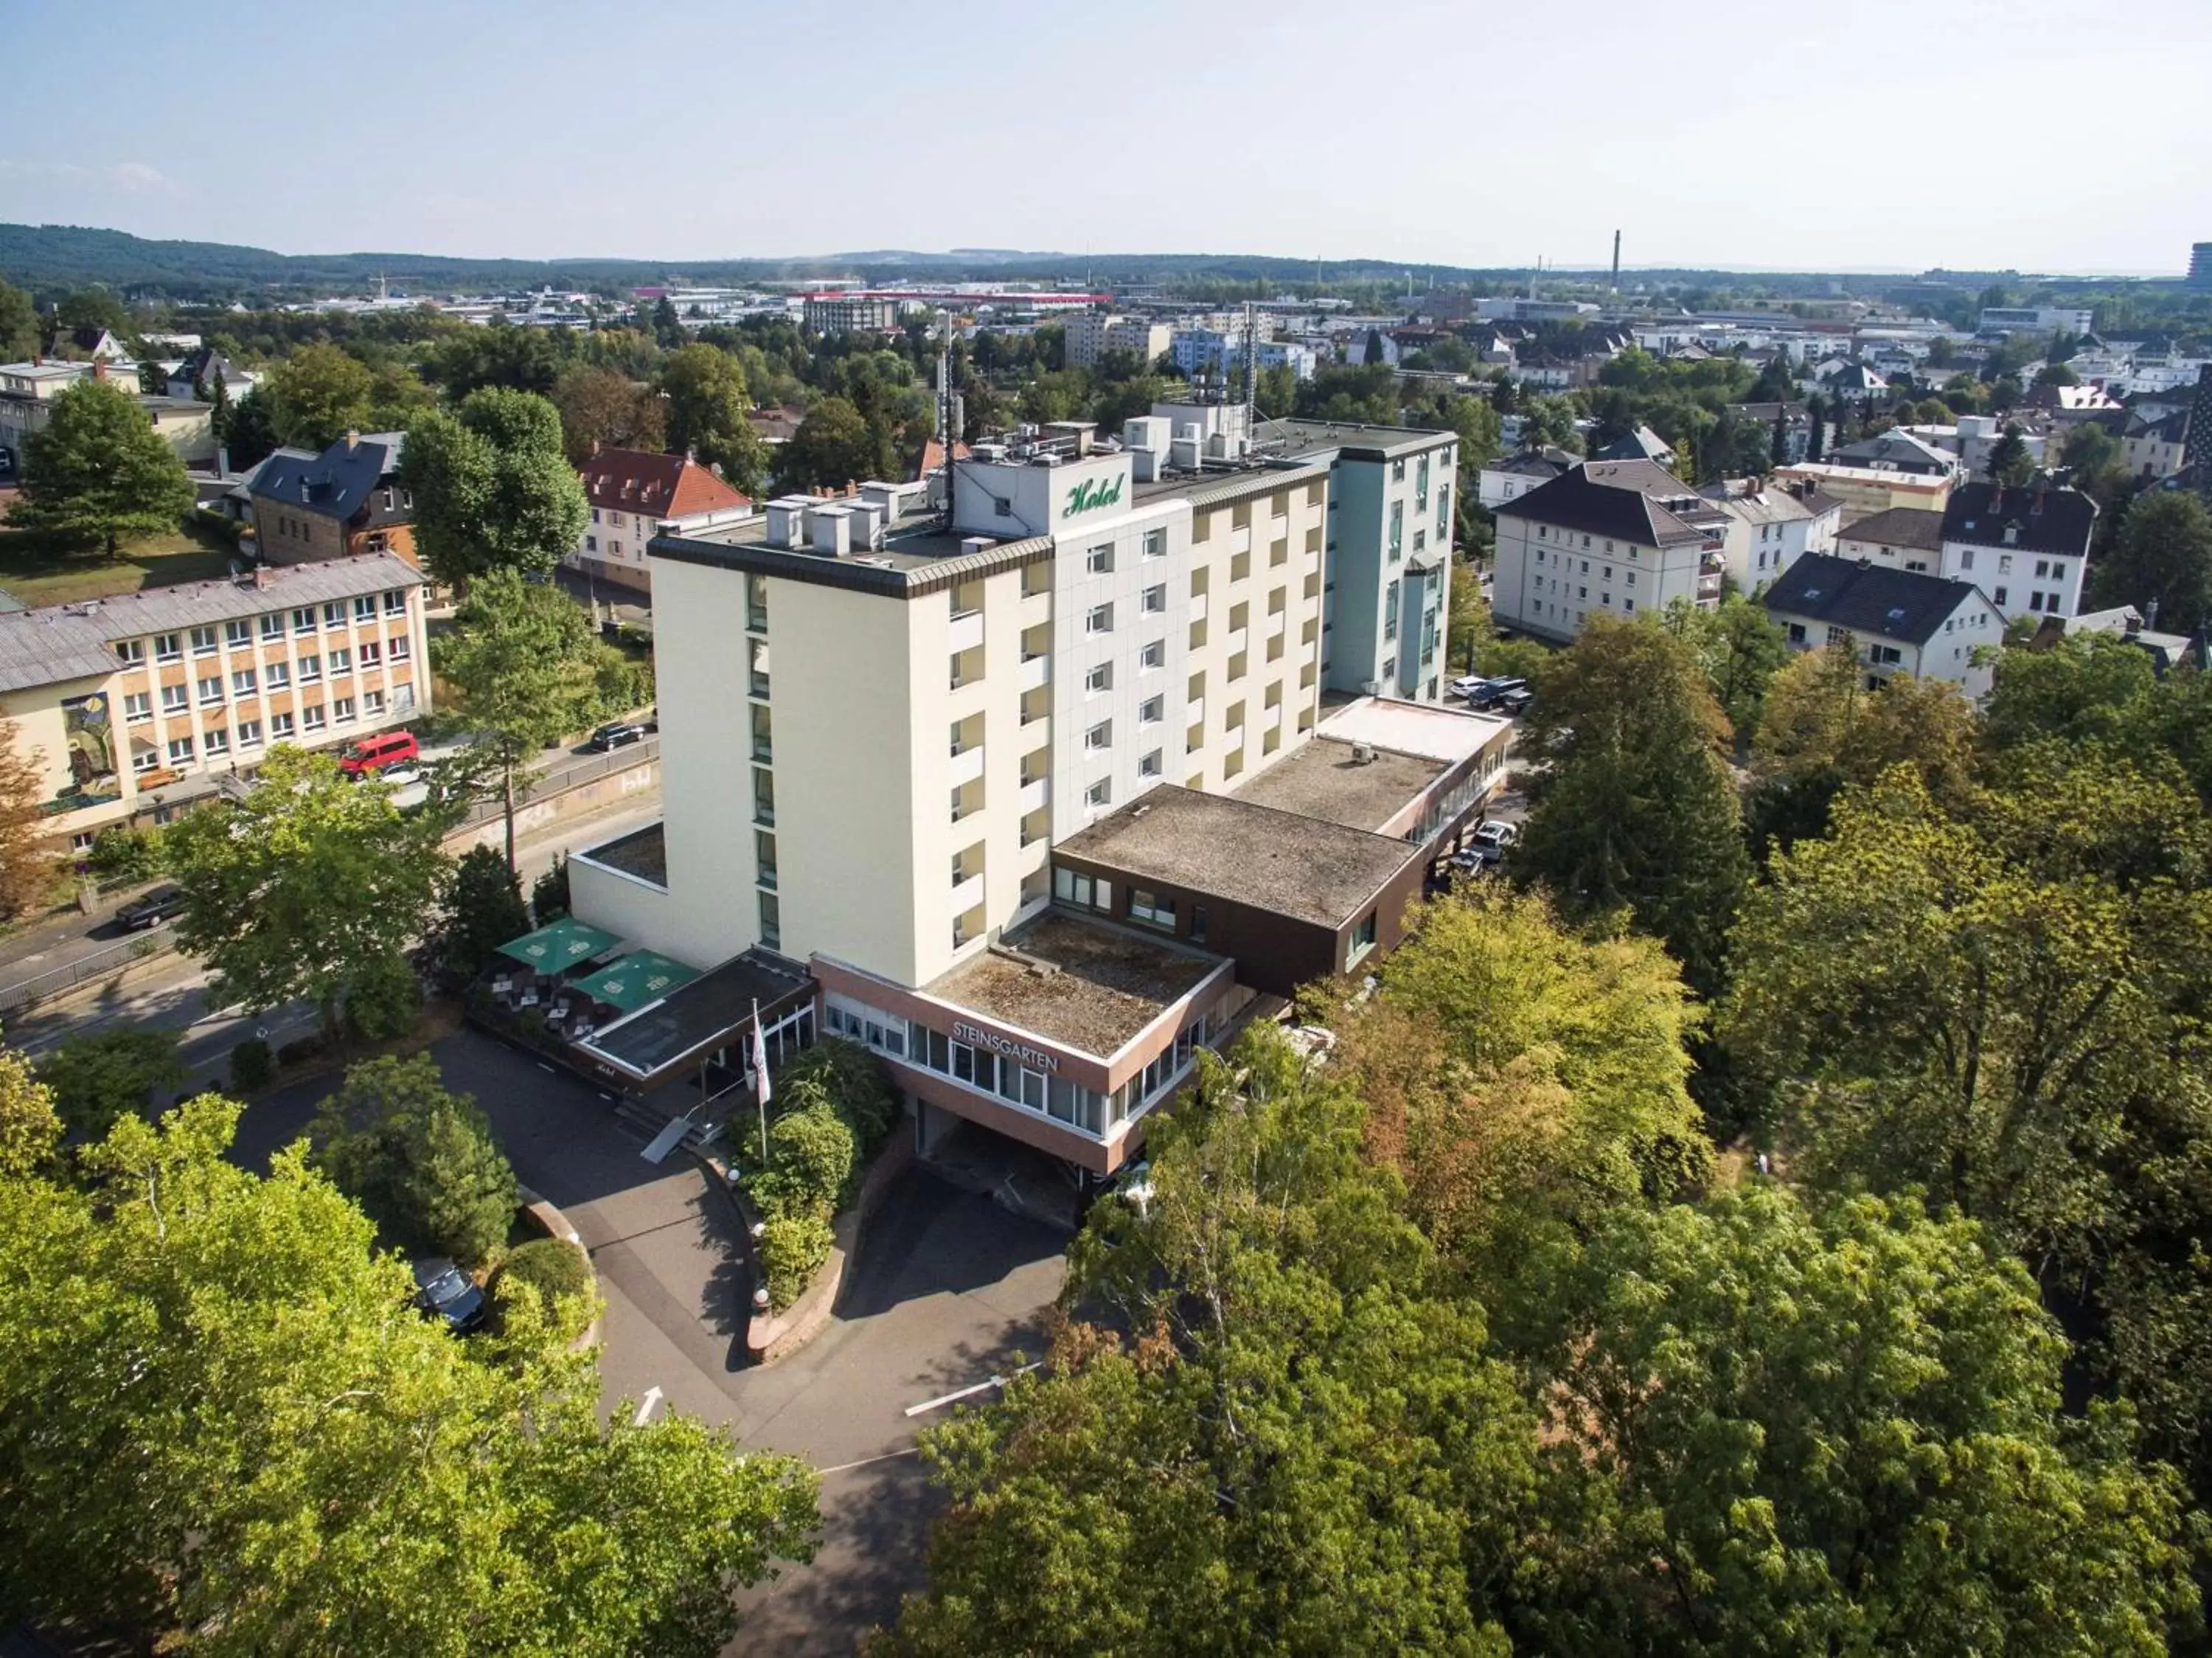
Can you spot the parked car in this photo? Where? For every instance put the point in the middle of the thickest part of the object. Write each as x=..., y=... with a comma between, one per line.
x=401, y=775
x=1492, y=839
x=443, y=1290
x=1493, y=691
x=620, y=734
x=1514, y=703
x=1134, y=1187
x=385, y=749
x=1468, y=684
x=163, y=904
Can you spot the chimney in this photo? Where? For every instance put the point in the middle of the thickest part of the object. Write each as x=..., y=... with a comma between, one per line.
x=100, y=368
x=261, y=576
x=353, y=440
x=2150, y=612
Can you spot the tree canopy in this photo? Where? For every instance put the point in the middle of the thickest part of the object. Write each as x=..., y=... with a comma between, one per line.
x=2160, y=561
x=420, y=1161
x=706, y=405
x=493, y=487
x=99, y=471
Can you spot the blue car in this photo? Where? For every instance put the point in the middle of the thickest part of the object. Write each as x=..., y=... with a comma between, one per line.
x=443, y=1290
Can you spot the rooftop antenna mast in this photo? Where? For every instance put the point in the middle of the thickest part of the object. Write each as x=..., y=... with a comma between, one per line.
x=1251, y=362
x=948, y=407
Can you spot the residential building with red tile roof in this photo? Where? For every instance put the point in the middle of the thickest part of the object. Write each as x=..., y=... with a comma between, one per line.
x=633, y=496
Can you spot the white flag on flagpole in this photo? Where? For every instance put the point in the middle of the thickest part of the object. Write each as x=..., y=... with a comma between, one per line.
x=761, y=1089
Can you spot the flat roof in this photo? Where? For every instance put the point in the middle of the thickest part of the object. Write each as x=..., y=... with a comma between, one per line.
x=1322, y=780
x=642, y=852
x=705, y=1014
x=1307, y=869
x=1294, y=438
x=1082, y=983
x=1424, y=730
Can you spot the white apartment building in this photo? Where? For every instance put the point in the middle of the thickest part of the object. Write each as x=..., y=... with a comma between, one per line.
x=635, y=495
x=1616, y=539
x=1091, y=334
x=2026, y=548
x=1770, y=528
x=1896, y=623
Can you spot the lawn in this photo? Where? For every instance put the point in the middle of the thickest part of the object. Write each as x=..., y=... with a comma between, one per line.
x=37, y=573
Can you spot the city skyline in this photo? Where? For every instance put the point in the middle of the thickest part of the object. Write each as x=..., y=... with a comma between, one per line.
x=1840, y=143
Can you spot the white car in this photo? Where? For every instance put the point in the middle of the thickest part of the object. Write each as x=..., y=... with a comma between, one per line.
x=1490, y=841
x=399, y=776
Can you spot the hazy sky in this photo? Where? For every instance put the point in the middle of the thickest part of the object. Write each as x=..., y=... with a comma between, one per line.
x=2036, y=134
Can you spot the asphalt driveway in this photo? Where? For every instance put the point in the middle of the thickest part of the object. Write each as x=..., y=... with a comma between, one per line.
x=948, y=1290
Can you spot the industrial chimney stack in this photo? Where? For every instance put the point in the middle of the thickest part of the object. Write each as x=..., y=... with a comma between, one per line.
x=1616, y=262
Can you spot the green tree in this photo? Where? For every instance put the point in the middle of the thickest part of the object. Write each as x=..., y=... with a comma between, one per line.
x=1774, y=1430
x=27, y=869
x=2009, y=462
x=484, y=911
x=30, y=1127
x=265, y=1452
x=2160, y=561
x=319, y=394
x=833, y=447
x=2057, y=374
x=549, y=894
x=493, y=489
x=520, y=654
x=1738, y=646
x=603, y=406
x=253, y=435
x=1519, y=1076
x=421, y=1162
x=91, y=307
x=309, y=882
x=19, y=324
x=99, y=472
x=667, y=327
x=95, y=1078
x=1632, y=806
x=706, y=405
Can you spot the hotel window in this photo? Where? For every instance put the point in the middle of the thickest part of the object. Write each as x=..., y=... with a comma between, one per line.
x=238, y=635
x=249, y=734
x=1155, y=599
x=364, y=608
x=764, y=858
x=137, y=706
x=1155, y=654
x=1151, y=909
x=1421, y=483
x=1153, y=710
x=1100, y=735
x=1099, y=561
x=272, y=625
x=175, y=698
x=210, y=690
x=241, y=683
x=1363, y=939
x=1071, y=888
x=130, y=650
x=204, y=643
x=1150, y=765
x=763, y=798
x=1100, y=678
x=181, y=751
x=1100, y=792
x=1156, y=544
x=303, y=621
x=167, y=648
x=311, y=717
x=311, y=669
x=1397, y=529
x=341, y=660
x=1099, y=620
x=341, y=710
x=218, y=742
x=771, y=921
x=1390, y=610
x=277, y=675
x=280, y=726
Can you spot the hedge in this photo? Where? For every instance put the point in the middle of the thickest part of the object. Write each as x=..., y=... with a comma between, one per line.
x=792, y=1249
x=557, y=1270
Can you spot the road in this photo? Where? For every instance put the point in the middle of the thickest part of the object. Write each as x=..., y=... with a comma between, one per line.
x=63, y=941
x=948, y=1290
x=174, y=994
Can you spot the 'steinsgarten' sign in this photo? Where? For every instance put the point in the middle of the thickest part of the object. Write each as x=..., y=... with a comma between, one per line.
x=1035, y=1058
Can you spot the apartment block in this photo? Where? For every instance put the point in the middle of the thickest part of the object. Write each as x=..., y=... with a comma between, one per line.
x=136, y=706
x=974, y=755
x=1091, y=334
x=1615, y=538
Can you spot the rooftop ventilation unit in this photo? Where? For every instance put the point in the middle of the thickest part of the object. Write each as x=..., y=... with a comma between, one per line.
x=833, y=531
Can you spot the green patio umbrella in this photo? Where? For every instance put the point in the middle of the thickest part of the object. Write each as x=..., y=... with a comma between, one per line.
x=561, y=945
x=636, y=980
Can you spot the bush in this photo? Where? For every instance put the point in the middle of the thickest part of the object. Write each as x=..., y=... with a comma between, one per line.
x=300, y=1051
x=98, y=1079
x=814, y=1152
x=856, y=1083
x=420, y=1162
x=556, y=1272
x=792, y=1249
x=252, y=1065
x=484, y=911
x=384, y=1000
x=126, y=855
x=549, y=894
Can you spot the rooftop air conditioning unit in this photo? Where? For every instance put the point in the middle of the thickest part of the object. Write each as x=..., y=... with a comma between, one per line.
x=1363, y=753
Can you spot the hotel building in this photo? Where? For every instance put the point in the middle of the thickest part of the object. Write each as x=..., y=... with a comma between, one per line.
x=1040, y=792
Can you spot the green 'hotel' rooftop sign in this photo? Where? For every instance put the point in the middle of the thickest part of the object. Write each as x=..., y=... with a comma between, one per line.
x=1093, y=492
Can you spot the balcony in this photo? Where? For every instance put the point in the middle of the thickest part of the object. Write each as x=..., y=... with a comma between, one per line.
x=967, y=766
x=1194, y=712
x=1036, y=794
x=1035, y=672
x=966, y=633
x=1197, y=607
x=967, y=893
x=1238, y=640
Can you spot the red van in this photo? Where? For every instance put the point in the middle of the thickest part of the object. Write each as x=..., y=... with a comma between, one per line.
x=373, y=754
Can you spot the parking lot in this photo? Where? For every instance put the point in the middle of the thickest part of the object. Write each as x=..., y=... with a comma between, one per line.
x=947, y=1290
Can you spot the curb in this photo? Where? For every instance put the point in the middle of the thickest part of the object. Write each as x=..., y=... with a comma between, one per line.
x=774, y=1336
